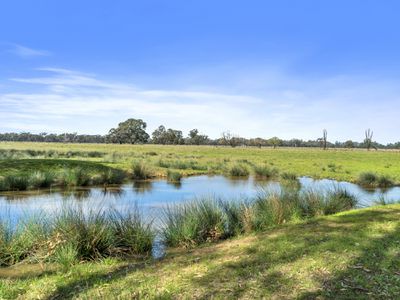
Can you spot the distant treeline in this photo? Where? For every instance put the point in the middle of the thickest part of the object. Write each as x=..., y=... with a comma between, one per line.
x=133, y=131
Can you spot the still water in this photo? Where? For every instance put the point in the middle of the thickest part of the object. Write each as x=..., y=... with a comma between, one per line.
x=151, y=197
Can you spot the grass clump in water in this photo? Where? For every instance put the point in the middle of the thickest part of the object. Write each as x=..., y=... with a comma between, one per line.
x=263, y=171
x=173, y=176
x=369, y=179
x=239, y=170
x=140, y=171
x=289, y=176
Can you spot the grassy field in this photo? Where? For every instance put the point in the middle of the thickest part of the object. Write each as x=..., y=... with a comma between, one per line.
x=338, y=164
x=351, y=255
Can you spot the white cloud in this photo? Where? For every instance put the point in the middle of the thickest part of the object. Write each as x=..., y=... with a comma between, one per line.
x=26, y=52
x=67, y=100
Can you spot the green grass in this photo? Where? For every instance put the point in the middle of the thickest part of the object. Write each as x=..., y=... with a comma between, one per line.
x=141, y=171
x=239, y=170
x=372, y=180
x=209, y=219
x=264, y=171
x=72, y=235
x=28, y=174
x=174, y=176
x=340, y=164
x=350, y=255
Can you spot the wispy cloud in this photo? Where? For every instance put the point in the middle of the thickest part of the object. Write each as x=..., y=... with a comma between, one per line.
x=26, y=52
x=67, y=100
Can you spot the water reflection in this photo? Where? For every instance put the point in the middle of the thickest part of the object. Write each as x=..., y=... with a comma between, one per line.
x=153, y=196
x=76, y=194
x=142, y=186
x=176, y=184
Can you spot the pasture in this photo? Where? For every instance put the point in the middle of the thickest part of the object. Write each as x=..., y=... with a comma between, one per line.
x=339, y=164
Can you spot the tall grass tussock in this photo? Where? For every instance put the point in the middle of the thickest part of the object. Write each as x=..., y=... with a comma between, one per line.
x=239, y=170
x=140, y=171
x=208, y=219
x=263, y=171
x=73, y=235
x=372, y=180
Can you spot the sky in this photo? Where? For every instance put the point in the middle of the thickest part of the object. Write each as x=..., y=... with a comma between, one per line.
x=257, y=68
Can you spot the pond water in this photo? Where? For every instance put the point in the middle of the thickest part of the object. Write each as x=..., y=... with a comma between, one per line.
x=152, y=196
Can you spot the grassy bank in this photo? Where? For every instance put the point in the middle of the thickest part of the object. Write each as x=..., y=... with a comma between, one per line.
x=350, y=255
x=340, y=164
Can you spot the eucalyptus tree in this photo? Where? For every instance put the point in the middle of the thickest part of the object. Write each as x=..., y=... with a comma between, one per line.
x=194, y=138
x=132, y=131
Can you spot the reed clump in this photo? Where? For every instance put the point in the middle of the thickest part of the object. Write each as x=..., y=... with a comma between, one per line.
x=210, y=219
x=72, y=235
x=372, y=180
x=239, y=170
x=264, y=171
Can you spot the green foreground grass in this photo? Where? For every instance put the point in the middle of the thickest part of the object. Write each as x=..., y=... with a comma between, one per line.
x=351, y=255
x=340, y=164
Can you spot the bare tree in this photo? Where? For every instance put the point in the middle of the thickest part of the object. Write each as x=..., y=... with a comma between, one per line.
x=324, y=138
x=229, y=139
x=368, y=138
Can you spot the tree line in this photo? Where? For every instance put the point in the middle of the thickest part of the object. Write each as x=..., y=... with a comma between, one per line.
x=133, y=131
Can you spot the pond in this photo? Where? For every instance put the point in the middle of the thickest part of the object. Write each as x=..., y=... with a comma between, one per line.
x=152, y=196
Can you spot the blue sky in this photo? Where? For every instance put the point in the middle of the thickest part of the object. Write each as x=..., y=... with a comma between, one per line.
x=256, y=68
